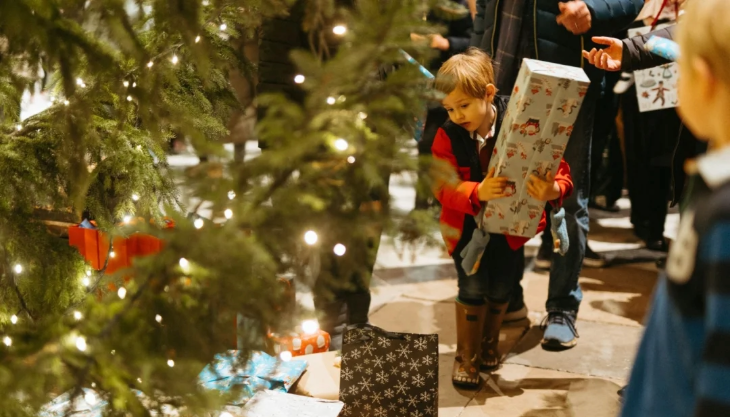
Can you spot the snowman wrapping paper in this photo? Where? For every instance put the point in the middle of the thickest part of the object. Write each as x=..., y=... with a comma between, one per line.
x=538, y=123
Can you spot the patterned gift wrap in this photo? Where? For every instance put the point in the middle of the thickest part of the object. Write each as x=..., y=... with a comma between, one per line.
x=261, y=372
x=388, y=374
x=656, y=88
x=538, y=122
x=303, y=344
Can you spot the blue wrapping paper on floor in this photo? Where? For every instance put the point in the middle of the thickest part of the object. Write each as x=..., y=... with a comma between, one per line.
x=261, y=372
x=89, y=404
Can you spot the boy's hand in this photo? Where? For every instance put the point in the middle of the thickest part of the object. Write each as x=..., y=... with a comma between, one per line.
x=543, y=189
x=492, y=188
x=609, y=58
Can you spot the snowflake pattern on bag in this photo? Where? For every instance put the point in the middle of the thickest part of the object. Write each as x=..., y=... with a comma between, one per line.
x=387, y=374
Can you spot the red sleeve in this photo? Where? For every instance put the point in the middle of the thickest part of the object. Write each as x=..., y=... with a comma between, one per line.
x=450, y=190
x=565, y=182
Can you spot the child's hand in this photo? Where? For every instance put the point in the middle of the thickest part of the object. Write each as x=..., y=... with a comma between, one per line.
x=492, y=188
x=543, y=189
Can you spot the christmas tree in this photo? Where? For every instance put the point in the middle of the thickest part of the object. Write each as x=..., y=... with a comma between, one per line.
x=123, y=78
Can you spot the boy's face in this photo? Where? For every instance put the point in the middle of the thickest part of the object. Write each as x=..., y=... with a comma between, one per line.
x=467, y=111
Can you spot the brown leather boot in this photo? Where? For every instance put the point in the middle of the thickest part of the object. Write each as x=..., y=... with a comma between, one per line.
x=469, y=324
x=490, y=335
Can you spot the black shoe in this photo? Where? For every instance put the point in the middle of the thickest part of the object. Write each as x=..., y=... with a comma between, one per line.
x=659, y=245
x=515, y=312
x=544, y=257
x=614, y=208
x=622, y=393
x=595, y=260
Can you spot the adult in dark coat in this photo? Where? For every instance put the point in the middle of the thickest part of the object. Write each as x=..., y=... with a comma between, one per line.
x=456, y=41
x=347, y=302
x=557, y=32
x=629, y=55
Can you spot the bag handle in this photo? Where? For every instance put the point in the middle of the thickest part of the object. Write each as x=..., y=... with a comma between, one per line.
x=375, y=329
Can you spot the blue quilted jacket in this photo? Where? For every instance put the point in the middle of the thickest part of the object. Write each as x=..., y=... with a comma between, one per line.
x=553, y=42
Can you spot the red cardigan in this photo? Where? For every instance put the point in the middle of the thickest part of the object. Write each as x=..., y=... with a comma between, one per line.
x=459, y=198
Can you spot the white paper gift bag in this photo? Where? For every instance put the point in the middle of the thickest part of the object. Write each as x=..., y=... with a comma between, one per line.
x=656, y=88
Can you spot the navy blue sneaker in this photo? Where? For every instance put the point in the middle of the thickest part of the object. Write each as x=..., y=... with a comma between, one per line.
x=560, y=332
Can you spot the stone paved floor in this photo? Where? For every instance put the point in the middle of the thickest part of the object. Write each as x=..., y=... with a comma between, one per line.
x=414, y=289
x=417, y=296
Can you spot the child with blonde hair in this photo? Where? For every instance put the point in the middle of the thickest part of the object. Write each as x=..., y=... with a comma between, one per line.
x=462, y=149
x=683, y=364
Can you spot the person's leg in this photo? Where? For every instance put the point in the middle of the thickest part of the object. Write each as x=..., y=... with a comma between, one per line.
x=470, y=314
x=564, y=293
x=505, y=268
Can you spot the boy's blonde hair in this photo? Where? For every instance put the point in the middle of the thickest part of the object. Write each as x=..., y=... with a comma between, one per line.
x=470, y=71
x=704, y=31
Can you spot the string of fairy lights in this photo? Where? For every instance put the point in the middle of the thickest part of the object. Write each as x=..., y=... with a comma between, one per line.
x=310, y=237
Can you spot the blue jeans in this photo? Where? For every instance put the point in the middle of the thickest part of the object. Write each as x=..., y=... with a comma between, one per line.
x=500, y=269
x=564, y=291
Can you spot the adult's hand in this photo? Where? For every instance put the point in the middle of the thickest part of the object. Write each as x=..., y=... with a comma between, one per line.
x=609, y=58
x=575, y=17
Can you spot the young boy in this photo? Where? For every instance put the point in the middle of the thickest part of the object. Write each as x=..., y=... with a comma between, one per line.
x=683, y=364
x=461, y=150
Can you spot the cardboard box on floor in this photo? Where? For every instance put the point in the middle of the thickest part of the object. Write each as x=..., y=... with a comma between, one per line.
x=539, y=120
x=322, y=377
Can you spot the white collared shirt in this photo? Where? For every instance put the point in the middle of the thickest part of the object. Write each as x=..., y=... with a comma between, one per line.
x=714, y=167
x=483, y=141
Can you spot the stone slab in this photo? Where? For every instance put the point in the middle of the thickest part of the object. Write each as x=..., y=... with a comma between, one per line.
x=520, y=391
x=409, y=315
x=618, y=295
x=604, y=350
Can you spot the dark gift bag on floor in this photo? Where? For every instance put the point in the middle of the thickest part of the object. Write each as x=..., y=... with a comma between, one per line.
x=388, y=374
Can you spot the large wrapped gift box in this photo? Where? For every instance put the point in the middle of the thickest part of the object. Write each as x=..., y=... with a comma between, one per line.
x=539, y=120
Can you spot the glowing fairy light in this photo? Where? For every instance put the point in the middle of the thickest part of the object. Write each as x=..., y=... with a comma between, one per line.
x=18, y=268
x=299, y=79
x=339, y=30
x=81, y=343
x=198, y=223
x=78, y=316
x=14, y=319
x=185, y=265
x=311, y=237
x=122, y=292
x=341, y=144
x=228, y=213
x=340, y=249
x=310, y=326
